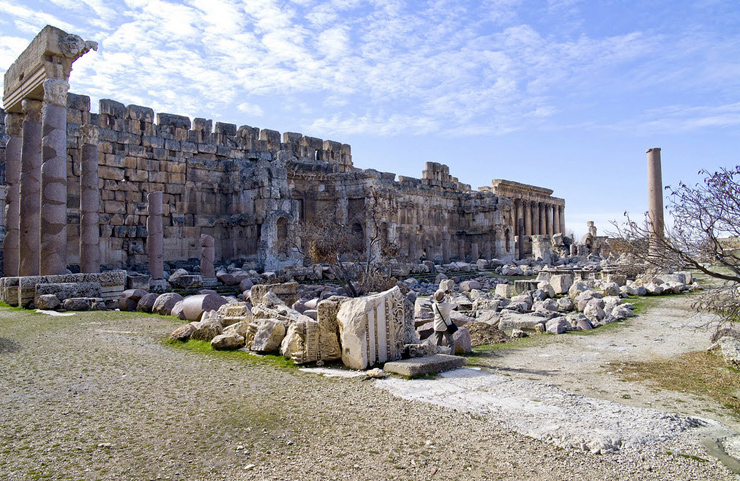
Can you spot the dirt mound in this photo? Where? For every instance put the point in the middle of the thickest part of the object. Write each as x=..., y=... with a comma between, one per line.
x=482, y=334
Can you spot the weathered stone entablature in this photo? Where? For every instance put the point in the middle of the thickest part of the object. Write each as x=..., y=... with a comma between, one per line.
x=542, y=213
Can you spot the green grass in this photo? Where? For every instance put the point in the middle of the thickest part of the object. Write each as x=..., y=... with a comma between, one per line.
x=204, y=347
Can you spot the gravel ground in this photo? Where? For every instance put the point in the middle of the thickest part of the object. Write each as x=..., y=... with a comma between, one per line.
x=102, y=396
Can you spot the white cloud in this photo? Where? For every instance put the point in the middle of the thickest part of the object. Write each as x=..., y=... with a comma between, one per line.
x=252, y=110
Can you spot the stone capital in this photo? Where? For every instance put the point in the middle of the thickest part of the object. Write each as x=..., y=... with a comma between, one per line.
x=72, y=46
x=32, y=109
x=13, y=123
x=55, y=92
x=89, y=134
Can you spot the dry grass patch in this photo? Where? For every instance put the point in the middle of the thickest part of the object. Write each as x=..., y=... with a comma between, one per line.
x=700, y=373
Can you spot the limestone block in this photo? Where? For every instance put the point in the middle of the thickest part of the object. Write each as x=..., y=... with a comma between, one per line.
x=241, y=328
x=227, y=342
x=561, y=283
x=576, y=289
x=206, y=331
x=193, y=307
x=467, y=286
x=504, y=290
x=447, y=285
x=547, y=288
x=557, y=325
x=326, y=315
x=182, y=333
x=269, y=335
x=301, y=342
x=67, y=290
x=371, y=329
x=527, y=322
x=594, y=313
x=47, y=302
x=165, y=302
x=610, y=289
x=286, y=292
x=463, y=344
x=235, y=312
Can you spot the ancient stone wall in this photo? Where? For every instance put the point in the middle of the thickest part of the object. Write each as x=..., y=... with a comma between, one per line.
x=249, y=189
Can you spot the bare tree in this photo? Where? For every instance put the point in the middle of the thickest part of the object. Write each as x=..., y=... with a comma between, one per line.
x=354, y=255
x=706, y=216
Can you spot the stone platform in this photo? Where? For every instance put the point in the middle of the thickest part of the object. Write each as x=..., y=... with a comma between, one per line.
x=424, y=365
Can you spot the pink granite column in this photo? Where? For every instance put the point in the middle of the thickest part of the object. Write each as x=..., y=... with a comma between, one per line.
x=30, y=189
x=155, y=236
x=54, y=179
x=655, y=193
x=89, y=202
x=207, y=256
x=11, y=244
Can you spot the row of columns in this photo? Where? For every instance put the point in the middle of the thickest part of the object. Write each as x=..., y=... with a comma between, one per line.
x=36, y=200
x=540, y=218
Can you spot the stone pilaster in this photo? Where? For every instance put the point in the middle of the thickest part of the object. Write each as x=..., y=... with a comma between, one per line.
x=155, y=236
x=89, y=202
x=30, y=189
x=11, y=244
x=54, y=179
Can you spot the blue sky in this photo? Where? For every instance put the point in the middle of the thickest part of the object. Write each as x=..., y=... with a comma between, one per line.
x=565, y=94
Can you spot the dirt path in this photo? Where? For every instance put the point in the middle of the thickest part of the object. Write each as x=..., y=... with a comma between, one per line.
x=588, y=364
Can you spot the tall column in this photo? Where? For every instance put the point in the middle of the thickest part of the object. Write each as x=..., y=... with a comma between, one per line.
x=549, y=219
x=527, y=218
x=519, y=215
x=54, y=178
x=474, y=252
x=11, y=244
x=487, y=249
x=562, y=219
x=461, y=250
x=655, y=194
x=30, y=191
x=155, y=236
x=556, y=219
x=89, y=202
x=207, y=256
x=543, y=217
x=520, y=240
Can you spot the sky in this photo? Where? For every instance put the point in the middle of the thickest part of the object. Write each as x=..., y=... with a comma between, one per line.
x=563, y=94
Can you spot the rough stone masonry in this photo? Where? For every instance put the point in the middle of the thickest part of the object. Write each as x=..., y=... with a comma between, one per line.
x=246, y=187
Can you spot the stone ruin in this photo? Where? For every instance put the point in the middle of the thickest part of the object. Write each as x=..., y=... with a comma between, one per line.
x=126, y=188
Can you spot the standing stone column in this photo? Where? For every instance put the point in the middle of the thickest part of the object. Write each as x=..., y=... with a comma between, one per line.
x=556, y=219
x=89, y=202
x=562, y=219
x=54, y=178
x=520, y=240
x=474, y=252
x=11, y=244
x=655, y=195
x=207, y=257
x=155, y=236
x=543, y=221
x=461, y=250
x=487, y=249
x=527, y=218
x=519, y=215
x=548, y=219
x=30, y=191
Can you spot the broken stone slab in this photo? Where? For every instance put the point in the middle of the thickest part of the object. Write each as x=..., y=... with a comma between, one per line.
x=301, y=342
x=504, y=290
x=182, y=333
x=227, y=342
x=287, y=292
x=526, y=322
x=326, y=315
x=47, y=302
x=269, y=335
x=561, y=283
x=205, y=331
x=557, y=325
x=371, y=329
x=66, y=290
x=424, y=365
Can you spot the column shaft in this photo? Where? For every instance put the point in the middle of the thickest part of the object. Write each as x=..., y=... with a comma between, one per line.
x=562, y=219
x=11, y=244
x=30, y=190
x=527, y=218
x=54, y=179
x=655, y=193
x=89, y=202
x=543, y=221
